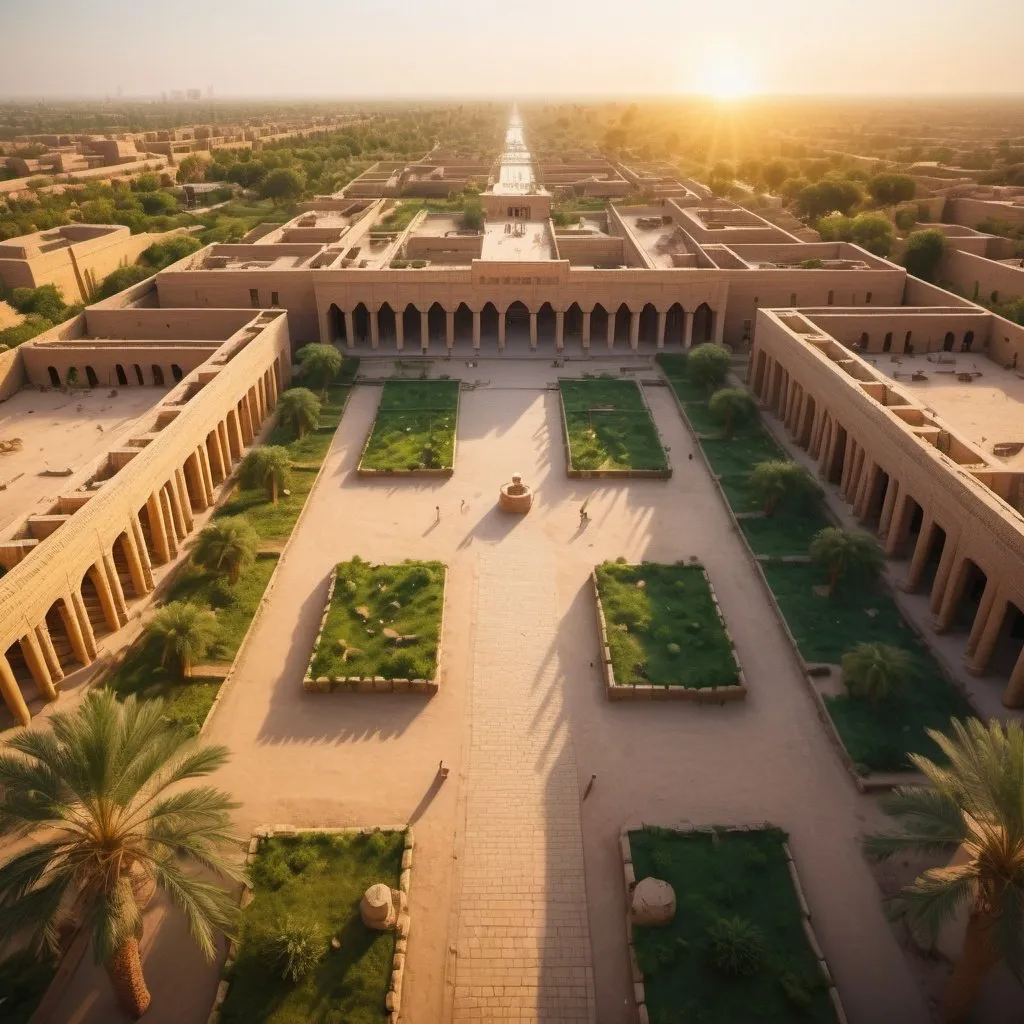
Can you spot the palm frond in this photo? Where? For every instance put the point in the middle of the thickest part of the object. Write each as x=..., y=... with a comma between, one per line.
x=205, y=906
x=1008, y=930
x=934, y=897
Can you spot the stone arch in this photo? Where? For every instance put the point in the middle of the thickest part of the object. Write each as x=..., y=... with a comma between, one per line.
x=55, y=380
x=675, y=325
x=598, y=324
x=19, y=668
x=90, y=376
x=489, y=320
x=336, y=324
x=437, y=323
x=517, y=323
x=546, y=323
x=360, y=323
x=967, y=342
x=411, y=325
x=176, y=372
x=948, y=341
x=387, y=326
x=648, y=325
x=158, y=375
x=622, y=319
x=130, y=586
x=703, y=321
x=572, y=325
x=865, y=340
x=90, y=589
x=138, y=374
x=463, y=323
x=122, y=377
x=57, y=619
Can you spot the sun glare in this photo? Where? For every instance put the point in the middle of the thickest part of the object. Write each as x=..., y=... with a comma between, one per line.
x=727, y=80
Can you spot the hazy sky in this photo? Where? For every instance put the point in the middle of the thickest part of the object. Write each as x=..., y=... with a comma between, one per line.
x=511, y=48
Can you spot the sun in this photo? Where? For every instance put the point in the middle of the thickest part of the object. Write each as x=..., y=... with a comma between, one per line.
x=728, y=80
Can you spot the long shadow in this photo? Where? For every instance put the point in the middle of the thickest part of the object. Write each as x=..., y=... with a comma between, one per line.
x=493, y=527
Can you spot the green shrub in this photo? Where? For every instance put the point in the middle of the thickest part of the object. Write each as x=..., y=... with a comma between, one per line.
x=736, y=946
x=295, y=948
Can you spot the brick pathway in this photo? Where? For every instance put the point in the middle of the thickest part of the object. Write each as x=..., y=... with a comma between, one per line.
x=523, y=940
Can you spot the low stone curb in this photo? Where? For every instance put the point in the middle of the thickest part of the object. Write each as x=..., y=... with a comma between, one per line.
x=372, y=684
x=393, y=999
x=629, y=876
x=439, y=472
x=630, y=691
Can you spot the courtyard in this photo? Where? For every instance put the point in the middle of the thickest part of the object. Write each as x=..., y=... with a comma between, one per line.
x=517, y=907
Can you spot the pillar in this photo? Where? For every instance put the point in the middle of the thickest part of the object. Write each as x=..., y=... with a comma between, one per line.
x=559, y=330
x=920, y=555
x=233, y=435
x=158, y=527
x=374, y=329
x=272, y=391
x=719, y=317
x=611, y=330
x=37, y=665
x=349, y=336
x=955, y=590
x=533, y=329
x=77, y=605
x=476, y=329
x=400, y=330
x=817, y=430
x=634, y=330
x=181, y=505
x=586, y=329
x=261, y=399
x=830, y=451
x=449, y=327
x=49, y=654
x=138, y=558
x=215, y=453
x=899, y=516
x=869, y=477
x=687, y=330
x=1013, y=695
x=116, y=591
x=99, y=578
x=946, y=563
x=660, y=339
x=205, y=474
x=424, y=331
x=66, y=610
x=888, y=503
x=11, y=692
x=176, y=521
x=985, y=629
x=501, y=331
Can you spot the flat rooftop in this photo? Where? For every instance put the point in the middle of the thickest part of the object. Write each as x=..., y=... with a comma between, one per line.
x=658, y=239
x=987, y=411
x=533, y=245
x=60, y=432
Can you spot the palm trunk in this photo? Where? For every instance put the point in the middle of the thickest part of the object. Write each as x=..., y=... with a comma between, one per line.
x=977, y=959
x=770, y=504
x=124, y=969
x=833, y=579
x=273, y=489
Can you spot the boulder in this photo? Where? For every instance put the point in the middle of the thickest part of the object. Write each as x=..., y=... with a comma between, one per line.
x=654, y=903
x=377, y=908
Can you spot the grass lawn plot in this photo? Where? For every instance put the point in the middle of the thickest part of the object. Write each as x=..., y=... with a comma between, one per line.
x=666, y=632
x=383, y=620
x=316, y=879
x=414, y=428
x=719, y=877
x=609, y=426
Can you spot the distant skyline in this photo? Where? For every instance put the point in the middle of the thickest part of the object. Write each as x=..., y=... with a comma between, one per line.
x=523, y=48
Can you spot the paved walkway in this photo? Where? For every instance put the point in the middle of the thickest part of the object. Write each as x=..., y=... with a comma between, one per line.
x=523, y=942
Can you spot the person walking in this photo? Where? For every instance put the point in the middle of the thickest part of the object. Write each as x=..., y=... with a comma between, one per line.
x=584, y=515
x=437, y=509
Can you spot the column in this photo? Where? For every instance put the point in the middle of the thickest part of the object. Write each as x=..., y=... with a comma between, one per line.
x=77, y=605
x=254, y=412
x=920, y=555
x=116, y=591
x=157, y=527
x=167, y=508
x=719, y=326
x=688, y=330
x=99, y=578
x=49, y=654
x=799, y=409
x=955, y=590
x=205, y=474
x=424, y=331
x=449, y=327
x=272, y=386
x=611, y=330
x=634, y=330
x=400, y=330
x=817, y=429
x=869, y=479
x=533, y=329
x=175, y=505
x=849, y=457
x=349, y=336
x=244, y=416
x=1013, y=695
x=985, y=629
x=138, y=558
x=662, y=317
x=11, y=692
x=946, y=563
x=559, y=329
x=888, y=503
x=476, y=329
x=501, y=330
x=234, y=431
x=181, y=505
x=586, y=329
x=899, y=515
x=261, y=403
x=830, y=449
x=215, y=453
x=67, y=614
x=374, y=329
x=37, y=666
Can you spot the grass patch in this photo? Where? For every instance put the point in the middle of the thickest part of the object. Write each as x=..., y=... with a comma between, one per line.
x=23, y=983
x=609, y=425
x=788, y=532
x=318, y=879
x=406, y=599
x=414, y=427
x=666, y=633
x=825, y=628
x=725, y=875
x=189, y=702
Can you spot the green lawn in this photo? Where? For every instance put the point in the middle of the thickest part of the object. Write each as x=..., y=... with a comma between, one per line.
x=189, y=702
x=726, y=875
x=23, y=983
x=414, y=427
x=666, y=633
x=825, y=628
x=318, y=879
x=609, y=426
x=406, y=599
x=788, y=532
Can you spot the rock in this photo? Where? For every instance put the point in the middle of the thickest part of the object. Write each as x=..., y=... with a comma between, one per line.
x=391, y=634
x=377, y=908
x=335, y=942
x=673, y=648
x=396, y=605
x=363, y=612
x=871, y=612
x=640, y=584
x=821, y=590
x=653, y=904
x=408, y=638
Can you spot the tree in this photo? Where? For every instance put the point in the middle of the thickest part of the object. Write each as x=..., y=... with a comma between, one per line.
x=924, y=253
x=875, y=671
x=124, y=277
x=472, y=214
x=775, y=173
x=156, y=203
x=320, y=363
x=299, y=408
x=91, y=795
x=146, y=182
x=972, y=806
x=227, y=545
x=779, y=482
x=731, y=407
x=845, y=553
x=709, y=364
x=283, y=184
x=888, y=189
x=191, y=170
x=827, y=196
x=184, y=633
x=834, y=227
x=268, y=467
x=874, y=232
x=44, y=301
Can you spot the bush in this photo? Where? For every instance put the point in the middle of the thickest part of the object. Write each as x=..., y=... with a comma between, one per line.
x=124, y=277
x=295, y=948
x=736, y=946
x=709, y=365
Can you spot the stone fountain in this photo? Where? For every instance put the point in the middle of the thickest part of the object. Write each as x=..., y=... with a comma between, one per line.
x=516, y=496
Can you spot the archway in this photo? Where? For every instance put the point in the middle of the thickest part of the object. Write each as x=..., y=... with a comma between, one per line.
x=572, y=325
x=90, y=376
x=622, y=318
x=834, y=470
x=122, y=566
x=648, y=326
x=138, y=374
x=806, y=427
x=675, y=325
x=56, y=626
x=598, y=325
x=864, y=341
x=360, y=323
x=20, y=670
x=93, y=605
x=463, y=324
x=758, y=378
x=702, y=321
x=54, y=376
x=411, y=326
x=122, y=377
x=517, y=324
x=887, y=342
x=437, y=323
x=336, y=324
x=968, y=342
x=546, y=324
x=176, y=372
x=386, y=327
x=948, y=341
x=489, y=319
x=158, y=376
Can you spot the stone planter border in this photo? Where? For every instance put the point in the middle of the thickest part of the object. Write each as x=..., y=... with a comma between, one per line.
x=629, y=877
x=629, y=691
x=440, y=472
x=372, y=684
x=865, y=783
x=393, y=999
x=610, y=474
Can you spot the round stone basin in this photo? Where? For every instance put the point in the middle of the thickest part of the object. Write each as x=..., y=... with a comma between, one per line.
x=516, y=496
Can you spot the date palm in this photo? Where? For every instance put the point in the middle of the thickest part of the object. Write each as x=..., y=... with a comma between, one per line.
x=184, y=633
x=91, y=793
x=320, y=363
x=267, y=467
x=299, y=409
x=227, y=545
x=975, y=809
x=845, y=553
x=777, y=482
x=875, y=671
x=731, y=407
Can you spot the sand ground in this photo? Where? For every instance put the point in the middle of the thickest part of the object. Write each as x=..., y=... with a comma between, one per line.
x=523, y=723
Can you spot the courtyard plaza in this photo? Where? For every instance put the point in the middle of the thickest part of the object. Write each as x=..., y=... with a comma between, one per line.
x=517, y=901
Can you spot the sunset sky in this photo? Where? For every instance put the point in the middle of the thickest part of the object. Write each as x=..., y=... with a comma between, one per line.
x=513, y=48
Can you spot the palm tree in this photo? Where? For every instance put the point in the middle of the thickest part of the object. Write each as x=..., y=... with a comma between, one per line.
x=320, y=363
x=846, y=553
x=227, y=545
x=91, y=795
x=731, y=407
x=299, y=408
x=184, y=633
x=778, y=482
x=267, y=467
x=973, y=808
x=876, y=671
